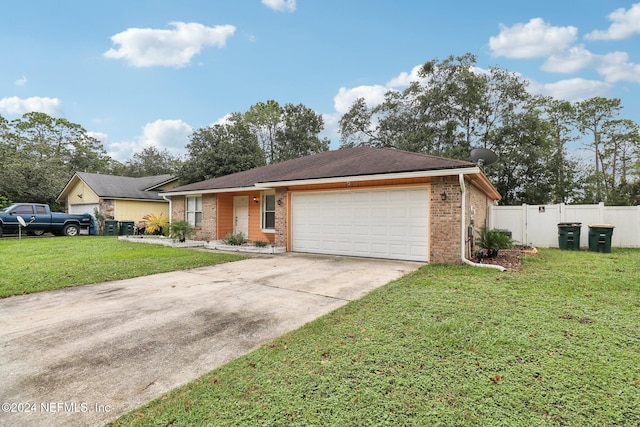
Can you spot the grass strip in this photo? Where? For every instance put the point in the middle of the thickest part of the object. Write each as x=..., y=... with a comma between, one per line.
x=42, y=264
x=555, y=344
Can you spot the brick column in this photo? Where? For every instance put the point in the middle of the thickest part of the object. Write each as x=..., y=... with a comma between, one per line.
x=445, y=221
x=281, y=216
x=209, y=229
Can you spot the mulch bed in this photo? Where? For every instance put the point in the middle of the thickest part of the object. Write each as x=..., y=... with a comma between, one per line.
x=511, y=259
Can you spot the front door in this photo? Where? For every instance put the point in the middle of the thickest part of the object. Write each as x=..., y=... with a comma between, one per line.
x=241, y=215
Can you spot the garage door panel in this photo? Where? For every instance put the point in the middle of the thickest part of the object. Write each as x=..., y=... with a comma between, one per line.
x=369, y=223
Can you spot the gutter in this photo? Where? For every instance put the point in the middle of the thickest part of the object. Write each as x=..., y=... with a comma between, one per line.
x=463, y=243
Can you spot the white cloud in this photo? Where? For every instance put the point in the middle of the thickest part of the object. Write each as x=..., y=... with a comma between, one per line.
x=18, y=106
x=373, y=95
x=533, y=39
x=280, y=5
x=615, y=67
x=146, y=47
x=625, y=24
x=404, y=79
x=570, y=61
x=576, y=89
x=172, y=135
x=100, y=136
x=21, y=81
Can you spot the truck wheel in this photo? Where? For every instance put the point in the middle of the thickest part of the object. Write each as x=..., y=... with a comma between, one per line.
x=38, y=232
x=0, y=231
x=71, y=230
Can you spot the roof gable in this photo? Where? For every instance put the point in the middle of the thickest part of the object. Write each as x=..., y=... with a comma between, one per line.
x=352, y=162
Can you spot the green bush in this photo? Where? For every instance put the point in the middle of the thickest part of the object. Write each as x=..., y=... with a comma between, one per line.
x=492, y=241
x=260, y=244
x=180, y=230
x=4, y=202
x=236, y=239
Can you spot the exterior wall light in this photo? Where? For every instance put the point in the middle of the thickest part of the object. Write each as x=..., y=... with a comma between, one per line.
x=279, y=202
x=443, y=196
x=255, y=199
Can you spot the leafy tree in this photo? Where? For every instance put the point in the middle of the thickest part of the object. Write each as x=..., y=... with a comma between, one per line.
x=523, y=145
x=220, y=150
x=40, y=153
x=561, y=119
x=151, y=161
x=298, y=135
x=286, y=132
x=264, y=120
x=592, y=115
x=4, y=202
x=356, y=126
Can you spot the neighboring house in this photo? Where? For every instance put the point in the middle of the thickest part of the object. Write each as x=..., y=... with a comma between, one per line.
x=368, y=202
x=119, y=198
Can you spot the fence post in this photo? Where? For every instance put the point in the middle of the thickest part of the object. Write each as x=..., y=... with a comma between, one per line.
x=525, y=224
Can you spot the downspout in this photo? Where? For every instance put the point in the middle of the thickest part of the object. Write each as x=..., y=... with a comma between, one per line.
x=170, y=206
x=463, y=227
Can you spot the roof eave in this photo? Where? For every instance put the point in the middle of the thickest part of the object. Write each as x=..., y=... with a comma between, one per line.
x=67, y=187
x=208, y=191
x=373, y=177
x=153, y=187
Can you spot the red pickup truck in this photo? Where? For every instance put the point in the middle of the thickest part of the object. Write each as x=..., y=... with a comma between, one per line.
x=39, y=219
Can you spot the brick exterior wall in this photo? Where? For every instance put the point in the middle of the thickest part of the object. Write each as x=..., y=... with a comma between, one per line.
x=446, y=216
x=281, y=216
x=445, y=221
x=178, y=208
x=478, y=216
x=208, y=230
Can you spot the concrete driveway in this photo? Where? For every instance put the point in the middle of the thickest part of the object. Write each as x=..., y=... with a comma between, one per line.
x=85, y=355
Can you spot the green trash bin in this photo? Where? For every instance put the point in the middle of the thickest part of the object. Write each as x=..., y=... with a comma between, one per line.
x=110, y=228
x=600, y=237
x=569, y=236
x=126, y=228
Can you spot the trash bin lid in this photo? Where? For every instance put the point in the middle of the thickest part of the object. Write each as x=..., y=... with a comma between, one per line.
x=602, y=226
x=569, y=224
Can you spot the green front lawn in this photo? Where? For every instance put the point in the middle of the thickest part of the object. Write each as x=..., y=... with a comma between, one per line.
x=34, y=265
x=555, y=344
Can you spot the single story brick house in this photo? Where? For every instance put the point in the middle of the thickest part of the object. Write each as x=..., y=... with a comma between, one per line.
x=366, y=202
x=119, y=198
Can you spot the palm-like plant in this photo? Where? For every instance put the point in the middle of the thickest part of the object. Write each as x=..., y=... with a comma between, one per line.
x=155, y=223
x=492, y=241
x=180, y=230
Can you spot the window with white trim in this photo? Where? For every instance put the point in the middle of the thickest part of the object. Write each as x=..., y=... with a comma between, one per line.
x=194, y=211
x=268, y=222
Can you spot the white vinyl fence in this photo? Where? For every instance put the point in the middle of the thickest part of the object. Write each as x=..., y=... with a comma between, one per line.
x=538, y=225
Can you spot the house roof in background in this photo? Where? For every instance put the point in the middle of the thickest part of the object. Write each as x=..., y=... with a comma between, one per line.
x=121, y=187
x=352, y=162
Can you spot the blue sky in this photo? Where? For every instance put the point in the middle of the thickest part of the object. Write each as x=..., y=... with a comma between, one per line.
x=148, y=72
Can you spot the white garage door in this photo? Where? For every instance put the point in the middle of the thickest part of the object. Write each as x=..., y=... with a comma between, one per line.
x=368, y=223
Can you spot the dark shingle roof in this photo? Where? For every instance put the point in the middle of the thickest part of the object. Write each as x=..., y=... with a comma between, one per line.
x=331, y=164
x=124, y=187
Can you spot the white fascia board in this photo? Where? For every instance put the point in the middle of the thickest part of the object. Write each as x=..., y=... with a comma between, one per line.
x=213, y=191
x=400, y=175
